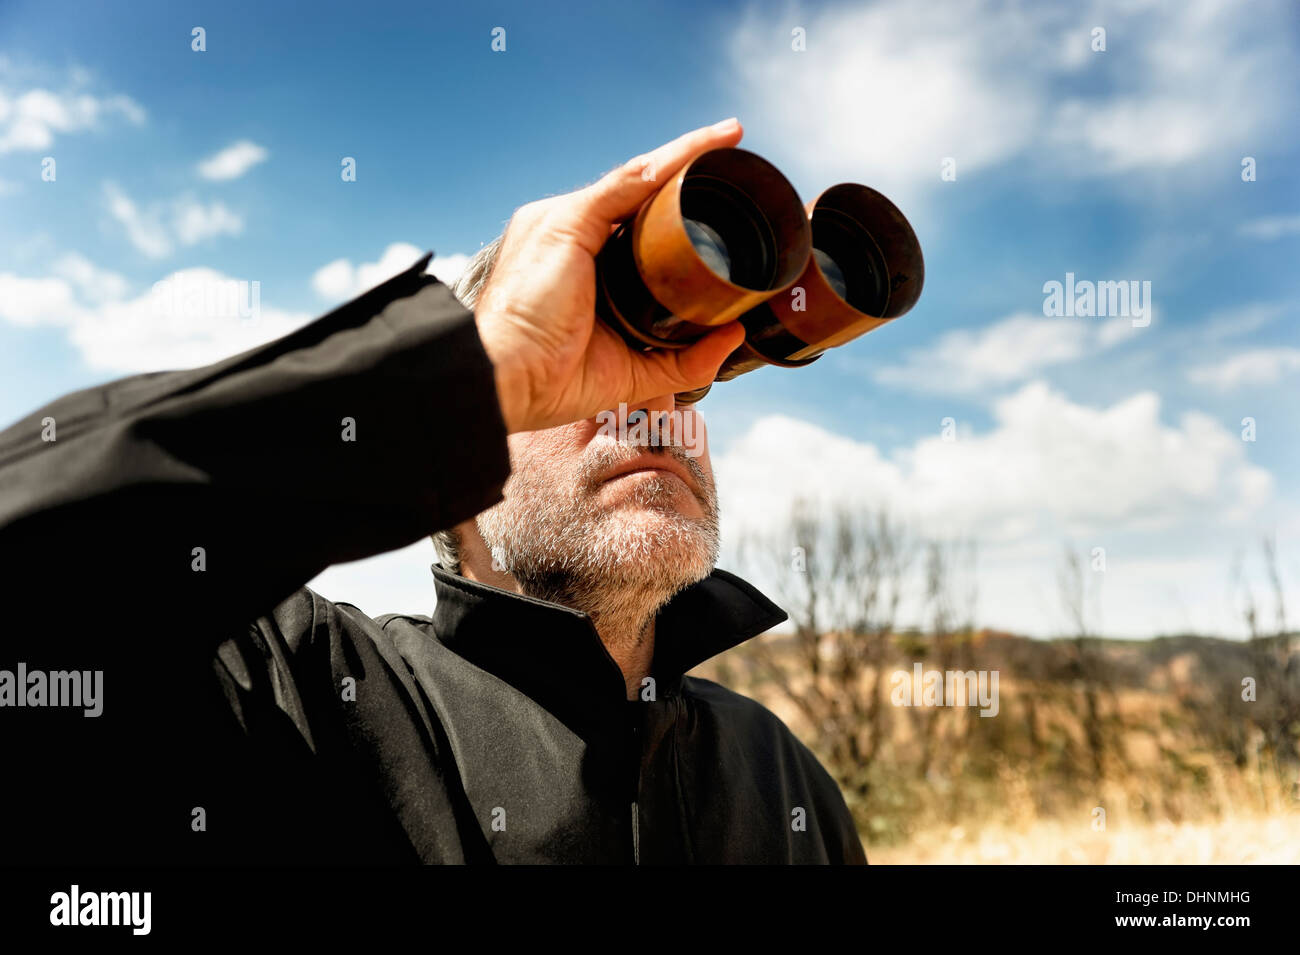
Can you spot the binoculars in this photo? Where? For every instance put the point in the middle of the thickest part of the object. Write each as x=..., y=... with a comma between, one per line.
x=727, y=238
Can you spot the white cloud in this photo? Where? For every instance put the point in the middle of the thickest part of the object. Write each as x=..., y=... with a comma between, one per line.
x=189, y=318
x=1118, y=329
x=42, y=301
x=1270, y=227
x=1132, y=132
x=396, y=582
x=154, y=230
x=193, y=222
x=335, y=280
x=448, y=267
x=966, y=361
x=1240, y=320
x=341, y=280
x=95, y=284
x=30, y=120
x=885, y=91
x=1154, y=494
x=1259, y=366
x=233, y=161
x=1047, y=465
x=143, y=229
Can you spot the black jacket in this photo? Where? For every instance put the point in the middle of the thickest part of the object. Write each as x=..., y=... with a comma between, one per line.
x=145, y=523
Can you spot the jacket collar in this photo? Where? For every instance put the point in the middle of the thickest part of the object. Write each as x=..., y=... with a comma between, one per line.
x=554, y=655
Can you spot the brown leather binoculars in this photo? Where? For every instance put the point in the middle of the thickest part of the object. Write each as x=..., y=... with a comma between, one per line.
x=727, y=238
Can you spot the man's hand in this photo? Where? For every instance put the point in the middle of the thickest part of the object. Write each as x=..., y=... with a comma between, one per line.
x=554, y=362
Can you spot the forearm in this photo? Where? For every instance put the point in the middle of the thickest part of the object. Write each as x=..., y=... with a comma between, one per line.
x=231, y=485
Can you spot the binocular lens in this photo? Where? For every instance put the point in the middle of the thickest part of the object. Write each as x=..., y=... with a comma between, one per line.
x=858, y=273
x=834, y=274
x=710, y=247
x=724, y=224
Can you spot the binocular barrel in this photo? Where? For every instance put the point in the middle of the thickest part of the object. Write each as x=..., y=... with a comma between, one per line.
x=727, y=238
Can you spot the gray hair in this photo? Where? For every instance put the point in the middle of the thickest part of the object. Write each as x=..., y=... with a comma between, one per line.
x=467, y=288
x=469, y=284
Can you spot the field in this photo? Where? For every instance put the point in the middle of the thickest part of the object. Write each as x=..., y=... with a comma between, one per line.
x=1176, y=750
x=1270, y=840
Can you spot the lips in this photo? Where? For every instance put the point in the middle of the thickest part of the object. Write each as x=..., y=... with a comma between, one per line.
x=651, y=462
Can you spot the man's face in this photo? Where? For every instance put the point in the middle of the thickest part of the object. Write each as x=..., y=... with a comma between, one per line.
x=590, y=506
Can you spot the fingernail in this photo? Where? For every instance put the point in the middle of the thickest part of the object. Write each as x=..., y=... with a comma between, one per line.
x=726, y=126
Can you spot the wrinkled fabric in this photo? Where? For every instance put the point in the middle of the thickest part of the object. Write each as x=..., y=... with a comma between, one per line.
x=163, y=537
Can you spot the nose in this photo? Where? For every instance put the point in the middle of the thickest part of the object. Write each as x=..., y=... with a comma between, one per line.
x=653, y=417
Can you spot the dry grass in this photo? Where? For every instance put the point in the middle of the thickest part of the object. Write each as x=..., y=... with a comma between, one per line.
x=1187, y=771
x=1269, y=840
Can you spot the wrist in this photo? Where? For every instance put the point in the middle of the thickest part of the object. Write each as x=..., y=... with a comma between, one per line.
x=509, y=391
x=508, y=401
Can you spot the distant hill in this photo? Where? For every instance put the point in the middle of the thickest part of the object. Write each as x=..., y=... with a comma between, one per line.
x=1173, y=728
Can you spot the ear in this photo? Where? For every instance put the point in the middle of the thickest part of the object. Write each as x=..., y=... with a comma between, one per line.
x=476, y=561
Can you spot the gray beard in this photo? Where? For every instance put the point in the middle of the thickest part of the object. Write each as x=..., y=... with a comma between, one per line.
x=618, y=569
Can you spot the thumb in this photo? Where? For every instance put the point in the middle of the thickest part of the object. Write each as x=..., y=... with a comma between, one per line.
x=621, y=192
x=664, y=372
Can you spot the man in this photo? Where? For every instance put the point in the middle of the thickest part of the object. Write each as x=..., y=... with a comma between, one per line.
x=156, y=534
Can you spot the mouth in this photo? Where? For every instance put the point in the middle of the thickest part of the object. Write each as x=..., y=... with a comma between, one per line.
x=652, y=465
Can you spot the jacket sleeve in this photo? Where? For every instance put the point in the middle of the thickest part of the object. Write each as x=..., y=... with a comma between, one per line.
x=214, y=493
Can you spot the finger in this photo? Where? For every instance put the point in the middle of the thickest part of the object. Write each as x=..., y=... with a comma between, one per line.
x=619, y=193
x=664, y=372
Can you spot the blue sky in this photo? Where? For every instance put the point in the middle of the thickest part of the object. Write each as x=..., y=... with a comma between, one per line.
x=1115, y=164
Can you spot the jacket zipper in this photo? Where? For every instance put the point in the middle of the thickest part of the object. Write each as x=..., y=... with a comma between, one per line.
x=636, y=791
x=636, y=837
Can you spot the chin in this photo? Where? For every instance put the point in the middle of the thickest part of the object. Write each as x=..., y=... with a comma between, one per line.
x=654, y=544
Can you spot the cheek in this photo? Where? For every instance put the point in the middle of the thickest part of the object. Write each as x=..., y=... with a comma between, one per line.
x=551, y=456
x=695, y=435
